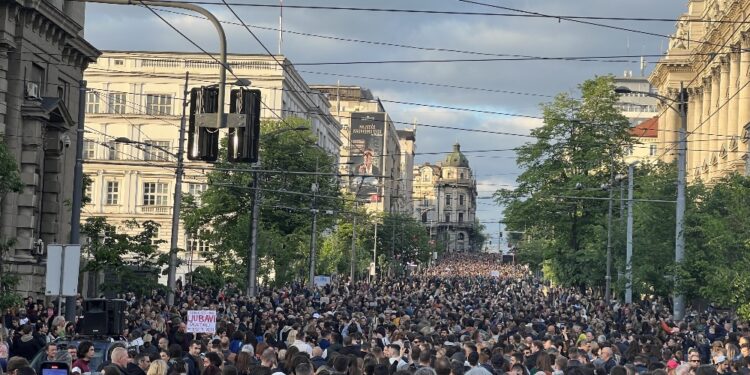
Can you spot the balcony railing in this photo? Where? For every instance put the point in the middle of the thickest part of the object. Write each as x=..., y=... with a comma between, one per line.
x=161, y=210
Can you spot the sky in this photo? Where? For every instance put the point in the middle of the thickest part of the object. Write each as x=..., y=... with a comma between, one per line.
x=482, y=92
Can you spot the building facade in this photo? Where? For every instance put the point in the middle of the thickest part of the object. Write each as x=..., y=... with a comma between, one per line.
x=42, y=58
x=445, y=201
x=711, y=60
x=369, y=132
x=138, y=96
x=636, y=106
x=646, y=147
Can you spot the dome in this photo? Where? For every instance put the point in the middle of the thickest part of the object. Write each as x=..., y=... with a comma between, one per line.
x=456, y=158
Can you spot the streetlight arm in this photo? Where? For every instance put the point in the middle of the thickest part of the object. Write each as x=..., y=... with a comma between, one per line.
x=662, y=98
x=210, y=17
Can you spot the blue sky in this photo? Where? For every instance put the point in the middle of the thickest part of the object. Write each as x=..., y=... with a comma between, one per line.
x=136, y=28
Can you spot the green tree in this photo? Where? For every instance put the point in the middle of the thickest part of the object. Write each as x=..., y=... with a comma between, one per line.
x=205, y=277
x=223, y=215
x=718, y=249
x=133, y=260
x=577, y=149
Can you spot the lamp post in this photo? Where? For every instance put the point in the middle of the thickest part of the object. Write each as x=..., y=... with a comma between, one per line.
x=679, y=255
x=252, y=262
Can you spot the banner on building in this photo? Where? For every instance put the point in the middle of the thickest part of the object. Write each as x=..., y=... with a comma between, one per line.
x=201, y=321
x=367, y=149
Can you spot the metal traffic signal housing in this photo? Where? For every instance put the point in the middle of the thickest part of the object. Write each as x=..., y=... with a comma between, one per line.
x=203, y=142
x=242, y=145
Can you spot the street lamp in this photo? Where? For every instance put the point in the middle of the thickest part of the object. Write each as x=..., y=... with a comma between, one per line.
x=679, y=298
x=252, y=264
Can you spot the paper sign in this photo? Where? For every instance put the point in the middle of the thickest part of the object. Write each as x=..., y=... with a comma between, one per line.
x=321, y=281
x=201, y=321
x=495, y=273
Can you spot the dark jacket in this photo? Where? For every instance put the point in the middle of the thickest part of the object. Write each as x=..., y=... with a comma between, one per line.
x=133, y=369
x=26, y=346
x=317, y=362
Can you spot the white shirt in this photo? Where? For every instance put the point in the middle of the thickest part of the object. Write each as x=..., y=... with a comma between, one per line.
x=303, y=347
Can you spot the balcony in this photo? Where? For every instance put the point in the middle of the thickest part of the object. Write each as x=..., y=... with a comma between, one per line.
x=156, y=210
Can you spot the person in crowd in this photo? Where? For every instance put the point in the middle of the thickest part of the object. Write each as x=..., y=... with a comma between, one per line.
x=139, y=364
x=84, y=354
x=157, y=367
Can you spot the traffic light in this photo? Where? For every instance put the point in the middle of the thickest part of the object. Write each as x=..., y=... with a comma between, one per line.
x=203, y=142
x=243, y=141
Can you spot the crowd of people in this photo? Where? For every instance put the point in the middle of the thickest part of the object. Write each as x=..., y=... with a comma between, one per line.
x=468, y=314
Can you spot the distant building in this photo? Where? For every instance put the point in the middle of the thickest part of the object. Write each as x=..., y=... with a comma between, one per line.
x=138, y=96
x=635, y=106
x=373, y=152
x=646, y=145
x=709, y=55
x=42, y=62
x=445, y=201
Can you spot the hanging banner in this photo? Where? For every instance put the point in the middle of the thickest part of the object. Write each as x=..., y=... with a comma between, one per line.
x=367, y=137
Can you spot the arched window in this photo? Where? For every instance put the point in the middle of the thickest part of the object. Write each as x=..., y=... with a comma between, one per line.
x=462, y=175
x=461, y=236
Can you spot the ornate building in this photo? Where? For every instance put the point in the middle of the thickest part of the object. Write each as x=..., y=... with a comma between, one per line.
x=138, y=96
x=445, y=201
x=711, y=59
x=42, y=58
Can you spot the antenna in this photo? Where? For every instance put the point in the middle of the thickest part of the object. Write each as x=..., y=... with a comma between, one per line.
x=281, y=24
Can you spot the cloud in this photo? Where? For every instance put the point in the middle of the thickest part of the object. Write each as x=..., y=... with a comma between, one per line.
x=135, y=28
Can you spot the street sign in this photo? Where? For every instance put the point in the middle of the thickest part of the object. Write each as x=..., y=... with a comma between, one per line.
x=63, y=263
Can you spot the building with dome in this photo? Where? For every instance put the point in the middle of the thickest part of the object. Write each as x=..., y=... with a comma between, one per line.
x=445, y=201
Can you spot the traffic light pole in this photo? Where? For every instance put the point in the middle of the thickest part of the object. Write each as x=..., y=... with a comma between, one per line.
x=177, y=203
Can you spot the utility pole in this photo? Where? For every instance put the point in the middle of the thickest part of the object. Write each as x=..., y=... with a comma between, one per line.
x=173, y=246
x=252, y=264
x=375, y=255
x=354, y=248
x=679, y=255
x=499, y=236
x=314, y=234
x=629, y=242
x=608, y=277
x=75, y=217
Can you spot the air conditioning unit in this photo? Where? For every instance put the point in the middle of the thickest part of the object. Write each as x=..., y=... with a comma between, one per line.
x=32, y=90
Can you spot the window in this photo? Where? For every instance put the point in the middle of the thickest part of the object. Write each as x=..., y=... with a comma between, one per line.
x=424, y=217
x=158, y=104
x=114, y=151
x=425, y=201
x=117, y=102
x=461, y=236
x=447, y=199
x=450, y=175
x=629, y=150
x=197, y=245
x=156, y=150
x=37, y=76
x=196, y=190
x=89, y=192
x=448, y=218
x=460, y=217
x=63, y=89
x=155, y=237
x=462, y=175
x=652, y=150
x=113, y=192
x=92, y=102
x=461, y=200
x=119, y=62
x=89, y=149
x=155, y=194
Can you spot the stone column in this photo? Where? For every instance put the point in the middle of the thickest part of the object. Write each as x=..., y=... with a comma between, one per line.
x=743, y=112
x=692, y=144
x=712, y=129
x=695, y=141
x=705, y=123
x=667, y=149
x=721, y=133
x=733, y=105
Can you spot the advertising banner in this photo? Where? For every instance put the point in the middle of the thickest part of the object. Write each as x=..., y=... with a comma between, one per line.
x=367, y=139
